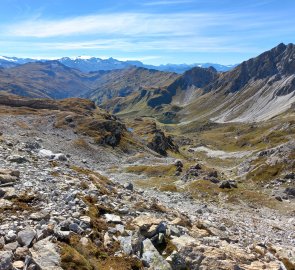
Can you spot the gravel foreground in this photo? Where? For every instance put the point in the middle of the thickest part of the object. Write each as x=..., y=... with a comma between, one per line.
x=54, y=194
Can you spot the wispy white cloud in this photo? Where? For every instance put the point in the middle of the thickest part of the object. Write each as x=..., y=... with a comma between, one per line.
x=124, y=24
x=167, y=2
x=191, y=44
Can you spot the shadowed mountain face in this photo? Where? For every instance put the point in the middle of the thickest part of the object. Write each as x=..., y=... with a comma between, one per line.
x=257, y=89
x=125, y=82
x=153, y=97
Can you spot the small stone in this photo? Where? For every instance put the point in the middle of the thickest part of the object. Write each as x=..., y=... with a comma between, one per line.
x=69, y=119
x=290, y=191
x=32, y=266
x=174, y=231
x=128, y=186
x=18, y=264
x=123, y=211
x=120, y=228
x=146, y=221
x=279, y=198
x=25, y=237
x=10, y=193
x=11, y=246
x=85, y=219
x=76, y=228
x=6, y=260
x=213, y=174
x=110, y=218
x=228, y=184
x=46, y=153
x=106, y=240
x=40, y=215
x=60, y=157
x=178, y=163
x=84, y=241
x=5, y=203
x=10, y=236
x=2, y=242
x=21, y=253
x=183, y=241
x=177, y=261
x=63, y=235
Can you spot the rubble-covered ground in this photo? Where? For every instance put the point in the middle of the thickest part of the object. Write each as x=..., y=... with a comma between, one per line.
x=64, y=204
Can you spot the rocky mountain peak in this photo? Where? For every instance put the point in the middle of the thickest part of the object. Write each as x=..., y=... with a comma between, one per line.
x=197, y=77
x=279, y=61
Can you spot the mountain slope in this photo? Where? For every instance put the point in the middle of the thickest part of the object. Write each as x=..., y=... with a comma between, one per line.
x=121, y=83
x=52, y=79
x=165, y=99
x=256, y=90
x=46, y=80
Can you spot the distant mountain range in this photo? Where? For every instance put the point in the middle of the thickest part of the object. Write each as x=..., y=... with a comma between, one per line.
x=255, y=90
x=90, y=64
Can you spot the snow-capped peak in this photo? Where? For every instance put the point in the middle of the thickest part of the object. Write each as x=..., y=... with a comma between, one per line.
x=8, y=59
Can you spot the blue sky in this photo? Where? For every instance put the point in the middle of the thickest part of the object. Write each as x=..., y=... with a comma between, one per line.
x=155, y=31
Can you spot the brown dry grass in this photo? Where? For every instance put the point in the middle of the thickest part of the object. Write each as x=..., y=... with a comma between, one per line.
x=81, y=143
x=21, y=124
x=152, y=171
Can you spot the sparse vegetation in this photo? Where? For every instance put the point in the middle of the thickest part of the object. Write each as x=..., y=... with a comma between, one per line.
x=152, y=171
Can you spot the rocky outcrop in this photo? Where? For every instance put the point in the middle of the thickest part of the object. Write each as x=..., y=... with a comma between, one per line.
x=161, y=144
x=278, y=61
x=195, y=77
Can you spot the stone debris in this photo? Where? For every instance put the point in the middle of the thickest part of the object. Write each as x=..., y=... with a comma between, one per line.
x=53, y=200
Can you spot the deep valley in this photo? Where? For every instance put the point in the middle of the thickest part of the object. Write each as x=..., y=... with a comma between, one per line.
x=137, y=168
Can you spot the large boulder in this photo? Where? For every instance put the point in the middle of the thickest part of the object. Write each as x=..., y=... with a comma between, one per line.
x=151, y=257
x=45, y=254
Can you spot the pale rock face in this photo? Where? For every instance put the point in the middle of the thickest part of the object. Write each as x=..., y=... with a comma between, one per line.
x=183, y=241
x=46, y=255
x=146, y=220
x=152, y=258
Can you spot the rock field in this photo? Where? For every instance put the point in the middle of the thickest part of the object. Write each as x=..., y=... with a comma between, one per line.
x=56, y=197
